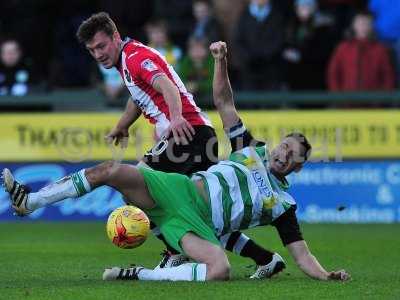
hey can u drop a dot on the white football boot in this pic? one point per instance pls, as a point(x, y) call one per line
point(267, 271)
point(170, 260)
point(117, 273)
point(18, 193)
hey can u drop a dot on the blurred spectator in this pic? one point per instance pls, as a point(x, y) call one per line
point(286, 7)
point(158, 39)
point(387, 25)
point(227, 12)
point(113, 86)
point(343, 12)
point(179, 16)
point(31, 23)
point(258, 43)
point(196, 68)
point(360, 63)
point(131, 16)
point(73, 66)
point(310, 42)
point(15, 74)
point(205, 26)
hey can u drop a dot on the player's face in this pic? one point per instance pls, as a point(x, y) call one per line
point(287, 157)
point(105, 49)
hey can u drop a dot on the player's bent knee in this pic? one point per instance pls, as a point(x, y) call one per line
point(205, 252)
point(218, 268)
point(223, 271)
point(219, 271)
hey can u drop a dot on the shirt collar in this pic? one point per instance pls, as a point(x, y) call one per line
point(124, 42)
point(282, 183)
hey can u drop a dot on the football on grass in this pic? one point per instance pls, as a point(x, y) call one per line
point(128, 227)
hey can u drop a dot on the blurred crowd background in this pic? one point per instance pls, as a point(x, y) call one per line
point(275, 45)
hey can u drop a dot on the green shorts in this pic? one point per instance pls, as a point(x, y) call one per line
point(179, 207)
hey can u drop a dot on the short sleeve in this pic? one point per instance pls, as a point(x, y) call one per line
point(144, 67)
point(288, 227)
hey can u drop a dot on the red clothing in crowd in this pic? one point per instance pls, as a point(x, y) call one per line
point(360, 65)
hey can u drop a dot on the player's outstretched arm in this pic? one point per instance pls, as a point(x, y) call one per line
point(222, 90)
point(131, 114)
point(310, 265)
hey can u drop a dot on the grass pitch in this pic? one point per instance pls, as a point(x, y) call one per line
point(66, 260)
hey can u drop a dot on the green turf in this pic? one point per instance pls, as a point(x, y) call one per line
point(65, 261)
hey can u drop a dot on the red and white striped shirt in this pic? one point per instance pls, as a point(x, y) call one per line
point(139, 66)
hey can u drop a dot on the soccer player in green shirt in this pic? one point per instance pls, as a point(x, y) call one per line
point(249, 189)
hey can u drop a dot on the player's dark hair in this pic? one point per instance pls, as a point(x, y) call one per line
point(97, 22)
point(303, 141)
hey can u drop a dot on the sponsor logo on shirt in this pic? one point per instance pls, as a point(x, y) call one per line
point(261, 184)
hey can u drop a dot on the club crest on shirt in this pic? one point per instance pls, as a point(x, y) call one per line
point(127, 75)
point(269, 202)
point(148, 65)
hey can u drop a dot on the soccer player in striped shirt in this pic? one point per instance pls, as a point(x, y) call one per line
point(249, 189)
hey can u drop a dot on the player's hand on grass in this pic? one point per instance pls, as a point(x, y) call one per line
point(218, 50)
point(117, 135)
point(340, 275)
point(181, 129)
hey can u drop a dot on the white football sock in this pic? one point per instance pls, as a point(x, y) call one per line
point(185, 272)
point(72, 186)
